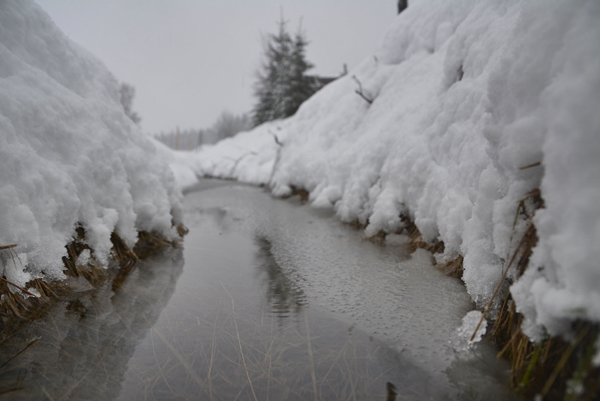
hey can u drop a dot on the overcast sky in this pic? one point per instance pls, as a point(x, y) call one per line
point(191, 59)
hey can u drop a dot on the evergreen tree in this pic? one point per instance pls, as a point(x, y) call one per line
point(282, 84)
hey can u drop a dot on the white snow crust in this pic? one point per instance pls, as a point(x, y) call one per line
point(68, 154)
point(464, 94)
point(471, 328)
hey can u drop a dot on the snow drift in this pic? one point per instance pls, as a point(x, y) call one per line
point(466, 108)
point(69, 156)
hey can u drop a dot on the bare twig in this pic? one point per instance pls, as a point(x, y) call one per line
point(19, 353)
point(17, 286)
point(504, 273)
point(530, 165)
point(240, 342)
point(561, 363)
point(312, 362)
point(277, 141)
point(239, 159)
point(359, 91)
point(188, 367)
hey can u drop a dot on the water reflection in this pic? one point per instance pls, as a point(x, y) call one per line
point(219, 340)
point(80, 348)
point(222, 335)
point(282, 295)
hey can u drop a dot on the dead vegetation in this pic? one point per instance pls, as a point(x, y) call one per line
point(302, 193)
point(555, 369)
point(253, 355)
point(21, 305)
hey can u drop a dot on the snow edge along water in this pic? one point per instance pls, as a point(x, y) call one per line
point(81, 187)
point(482, 135)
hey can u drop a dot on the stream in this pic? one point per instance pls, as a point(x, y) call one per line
point(267, 300)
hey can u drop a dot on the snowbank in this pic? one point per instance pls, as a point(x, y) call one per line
point(181, 163)
point(464, 95)
point(249, 156)
point(68, 154)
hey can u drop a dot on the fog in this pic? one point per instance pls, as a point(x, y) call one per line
point(191, 60)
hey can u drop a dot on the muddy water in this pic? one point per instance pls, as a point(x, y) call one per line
point(269, 300)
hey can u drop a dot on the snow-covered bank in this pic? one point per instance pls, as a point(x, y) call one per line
point(69, 156)
point(464, 96)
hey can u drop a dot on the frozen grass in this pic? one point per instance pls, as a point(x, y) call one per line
point(556, 368)
point(215, 349)
point(20, 305)
point(227, 354)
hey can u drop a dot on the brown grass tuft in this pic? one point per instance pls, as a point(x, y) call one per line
point(378, 239)
point(149, 244)
point(122, 254)
point(555, 369)
point(182, 230)
point(454, 268)
point(125, 258)
point(19, 305)
point(416, 238)
point(302, 193)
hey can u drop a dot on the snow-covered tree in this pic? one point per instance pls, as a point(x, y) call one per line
point(282, 84)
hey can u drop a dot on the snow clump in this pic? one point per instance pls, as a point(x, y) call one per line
point(470, 323)
point(69, 156)
point(474, 105)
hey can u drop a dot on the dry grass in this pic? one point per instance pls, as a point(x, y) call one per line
point(377, 239)
point(302, 193)
point(416, 238)
point(19, 305)
point(554, 369)
point(252, 356)
point(453, 268)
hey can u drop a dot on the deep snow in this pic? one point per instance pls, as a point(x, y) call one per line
point(69, 156)
point(465, 94)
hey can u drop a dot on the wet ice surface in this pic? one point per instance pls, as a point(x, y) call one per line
point(275, 301)
point(398, 298)
point(79, 348)
point(239, 328)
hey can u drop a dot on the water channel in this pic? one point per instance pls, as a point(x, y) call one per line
point(268, 300)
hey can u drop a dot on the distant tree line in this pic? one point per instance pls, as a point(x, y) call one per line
point(227, 125)
point(282, 86)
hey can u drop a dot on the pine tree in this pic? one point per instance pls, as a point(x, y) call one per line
point(282, 84)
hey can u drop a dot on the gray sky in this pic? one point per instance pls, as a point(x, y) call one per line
point(191, 59)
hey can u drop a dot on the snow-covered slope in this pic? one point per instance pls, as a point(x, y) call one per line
point(464, 96)
point(68, 154)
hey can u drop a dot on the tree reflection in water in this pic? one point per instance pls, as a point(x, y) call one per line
point(282, 294)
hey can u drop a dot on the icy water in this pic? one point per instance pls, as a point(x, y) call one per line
point(275, 301)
